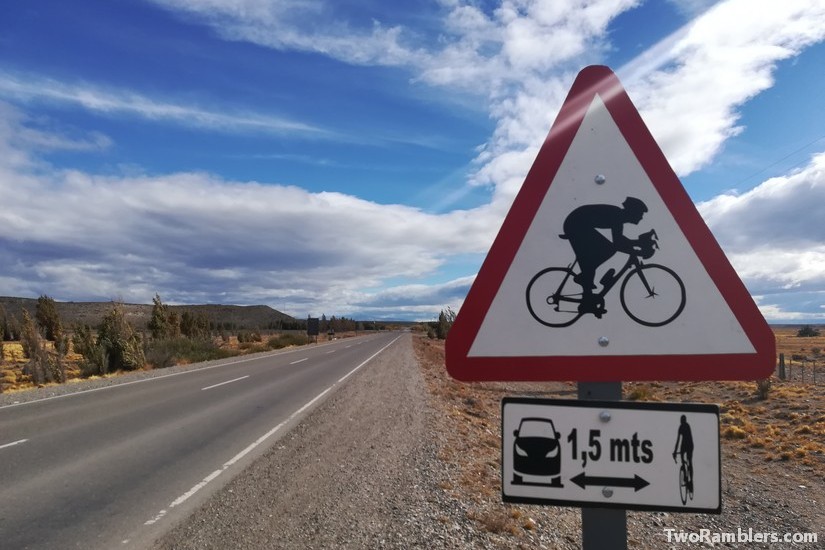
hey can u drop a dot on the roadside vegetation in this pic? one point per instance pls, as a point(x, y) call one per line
point(440, 328)
point(39, 350)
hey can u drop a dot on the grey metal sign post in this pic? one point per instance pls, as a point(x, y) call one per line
point(603, 528)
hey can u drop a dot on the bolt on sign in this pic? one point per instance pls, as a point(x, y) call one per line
point(603, 269)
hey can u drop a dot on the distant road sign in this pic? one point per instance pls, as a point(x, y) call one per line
point(611, 454)
point(603, 269)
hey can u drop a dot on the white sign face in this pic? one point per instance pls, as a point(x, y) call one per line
point(683, 311)
point(611, 454)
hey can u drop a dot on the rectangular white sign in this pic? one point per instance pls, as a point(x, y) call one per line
point(611, 454)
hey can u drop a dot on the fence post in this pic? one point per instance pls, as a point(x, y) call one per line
point(781, 366)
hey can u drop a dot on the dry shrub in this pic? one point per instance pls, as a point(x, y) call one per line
point(763, 387)
point(495, 521)
point(734, 432)
point(640, 393)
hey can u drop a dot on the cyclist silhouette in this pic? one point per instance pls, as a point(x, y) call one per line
point(685, 436)
point(592, 249)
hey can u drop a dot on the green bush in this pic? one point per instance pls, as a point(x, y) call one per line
point(122, 344)
point(95, 361)
point(440, 328)
point(117, 346)
point(168, 352)
point(42, 366)
point(808, 332)
point(47, 318)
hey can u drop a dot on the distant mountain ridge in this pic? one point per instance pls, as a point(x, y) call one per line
point(138, 315)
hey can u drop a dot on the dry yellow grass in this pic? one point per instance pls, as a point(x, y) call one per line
point(13, 353)
point(789, 343)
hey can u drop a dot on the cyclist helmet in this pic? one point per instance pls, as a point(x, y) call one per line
point(632, 204)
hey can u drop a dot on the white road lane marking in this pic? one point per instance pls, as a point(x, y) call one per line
point(13, 443)
point(299, 361)
point(211, 477)
point(224, 383)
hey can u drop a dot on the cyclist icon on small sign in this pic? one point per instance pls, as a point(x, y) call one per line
point(685, 452)
point(651, 294)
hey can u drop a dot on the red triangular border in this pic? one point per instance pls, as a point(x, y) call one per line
point(602, 81)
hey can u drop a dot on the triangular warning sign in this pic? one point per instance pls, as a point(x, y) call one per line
point(603, 269)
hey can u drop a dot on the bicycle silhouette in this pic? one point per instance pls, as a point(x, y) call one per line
point(685, 480)
point(651, 294)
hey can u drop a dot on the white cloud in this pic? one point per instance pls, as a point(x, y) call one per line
point(419, 301)
point(36, 135)
point(308, 26)
point(778, 314)
point(692, 8)
point(786, 211)
point(713, 66)
point(27, 88)
point(774, 237)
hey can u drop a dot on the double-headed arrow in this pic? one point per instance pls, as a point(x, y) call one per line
point(636, 482)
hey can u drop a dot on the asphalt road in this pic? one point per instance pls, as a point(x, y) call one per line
point(114, 468)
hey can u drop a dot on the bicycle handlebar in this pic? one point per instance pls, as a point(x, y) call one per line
point(648, 243)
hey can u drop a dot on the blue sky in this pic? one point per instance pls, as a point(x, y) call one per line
point(357, 157)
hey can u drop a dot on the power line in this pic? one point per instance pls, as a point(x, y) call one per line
point(789, 155)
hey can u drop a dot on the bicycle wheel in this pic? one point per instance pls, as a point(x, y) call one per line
point(553, 297)
point(653, 295)
point(683, 485)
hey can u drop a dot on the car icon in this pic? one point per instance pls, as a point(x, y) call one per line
point(537, 453)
